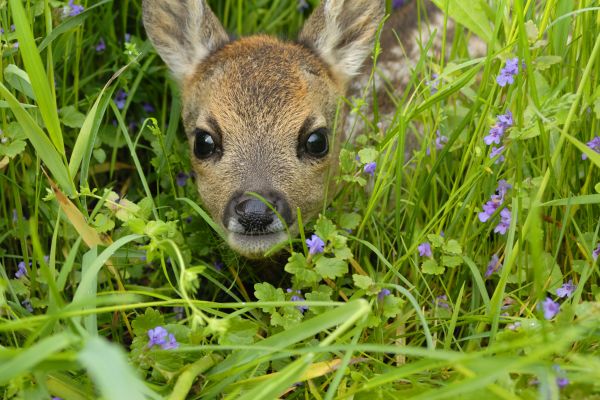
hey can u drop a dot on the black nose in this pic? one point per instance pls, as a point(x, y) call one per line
point(256, 216)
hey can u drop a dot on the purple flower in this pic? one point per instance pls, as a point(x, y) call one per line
point(507, 73)
point(157, 336)
point(513, 327)
point(442, 301)
point(315, 245)
point(503, 188)
point(497, 151)
point(505, 120)
point(495, 135)
point(561, 381)
point(21, 271)
point(551, 308)
point(566, 290)
point(15, 45)
point(505, 217)
point(148, 108)
point(1, 31)
point(489, 209)
point(127, 37)
point(370, 168)
point(434, 83)
point(302, 6)
point(593, 144)
point(596, 252)
point(12, 27)
point(440, 140)
point(170, 343)
point(425, 250)
point(493, 266)
point(120, 99)
point(398, 3)
point(182, 178)
point(383, 294)
point(15, 216)
point(74, 9)
point(298, 297)
point(218, 265)
point(101, 46)
point(27, 304)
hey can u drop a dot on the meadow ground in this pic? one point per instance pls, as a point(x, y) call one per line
point(465, 266)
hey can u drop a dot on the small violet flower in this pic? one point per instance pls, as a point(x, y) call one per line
point(493, 266)
point(127, 37)
point(370, 168)
point(425, 250)
point(170, 343)
point(550, 307)
point(596, 252)
point(120, 99)
point(383, 294)
point(27, 304)
point(503, 122)
point(561, 381)
point(101, 46)
point(593, 144)
point(398, 3)
point(302, 6)
point(74, 9)
point(497, 152)
point(160, 337)
point(297, 296)
point(182, 178)
point(566, 290)
point(511, 68)
point(442, 301)
point(434, 83)
point(148, 108)
point(315, 245)
point(505, 217)
point(157, 336)
point(21, 271)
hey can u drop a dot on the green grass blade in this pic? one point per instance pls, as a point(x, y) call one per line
point(42, 145)
point(37, 74)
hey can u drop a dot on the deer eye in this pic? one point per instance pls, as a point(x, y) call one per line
point(204, 144)
point(316, 144)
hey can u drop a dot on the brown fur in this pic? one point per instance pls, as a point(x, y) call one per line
point(258, 96)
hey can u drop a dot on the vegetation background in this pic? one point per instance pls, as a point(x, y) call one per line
point(445, 272)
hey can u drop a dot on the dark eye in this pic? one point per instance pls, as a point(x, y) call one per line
point(317, 144)
point(204, 144)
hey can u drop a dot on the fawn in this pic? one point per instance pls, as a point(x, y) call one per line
point(259, 112)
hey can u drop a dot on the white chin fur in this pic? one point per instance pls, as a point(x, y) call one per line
point(255, 246)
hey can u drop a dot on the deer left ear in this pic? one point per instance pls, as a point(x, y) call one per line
point(342, 32)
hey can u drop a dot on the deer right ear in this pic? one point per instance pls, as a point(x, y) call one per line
point(184, 32)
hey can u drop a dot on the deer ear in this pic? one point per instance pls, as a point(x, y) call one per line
point(184, 32)
point(343, 32)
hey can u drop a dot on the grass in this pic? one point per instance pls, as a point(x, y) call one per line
point(382, 320)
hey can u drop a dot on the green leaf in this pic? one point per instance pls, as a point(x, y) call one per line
point(392, 306)
point(331, 267)
point(368, 155)
point(350, 220)
point(13, 148)
point(470, 14)
point(436, 241)
point(114, 378)
point(532, 31)
point(42, 145)
point(452, 247)
point(452, 261)
point(267, 292)
point(71, 117)
point(347, 161)
point(431, 267)
point(362, 282)
point(26, 360)
point(298, 267)
point(103, 224)
point(239, 331)
point(324, 228)
point(149, 320)
point(544, 62)
point(19, 80)
point(323, 293)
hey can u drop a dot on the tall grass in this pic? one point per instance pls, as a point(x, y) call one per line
point(102, 240)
